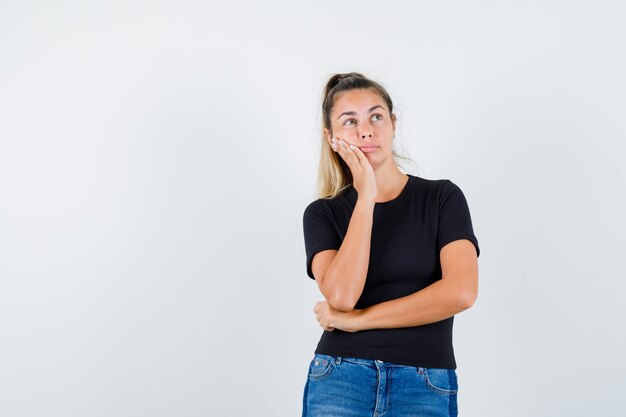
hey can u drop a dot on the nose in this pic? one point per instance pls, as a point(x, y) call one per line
point(366, 132)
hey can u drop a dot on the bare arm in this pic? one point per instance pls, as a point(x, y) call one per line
point(454, 293)
point(341, 274)
point(343, 279)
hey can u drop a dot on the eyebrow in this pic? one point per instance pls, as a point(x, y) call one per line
point(352, 113)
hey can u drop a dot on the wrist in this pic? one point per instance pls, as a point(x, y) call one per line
point(359, 320)
point(366, 202)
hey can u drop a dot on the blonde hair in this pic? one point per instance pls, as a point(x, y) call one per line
point(334, 175)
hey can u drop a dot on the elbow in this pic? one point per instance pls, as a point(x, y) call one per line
point(467, 299)
point(341, 303)
point(341, 299)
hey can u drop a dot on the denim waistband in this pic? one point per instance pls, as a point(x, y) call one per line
point(374, 363)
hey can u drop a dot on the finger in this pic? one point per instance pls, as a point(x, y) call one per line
point(335, 144)
point(353, 150)
point(344, 144)
point(348, 155)
point(335, 140)
point(359, 154)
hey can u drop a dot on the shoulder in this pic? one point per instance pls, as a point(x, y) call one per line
point(438, 185)
point(316, 207)
point(434, 187)
point(438, 193)
point(339, 204)
point(321, 208)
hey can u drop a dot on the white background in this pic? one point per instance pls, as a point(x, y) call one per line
point(156, 158)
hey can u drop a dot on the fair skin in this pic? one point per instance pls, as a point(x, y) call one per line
point(360, 118)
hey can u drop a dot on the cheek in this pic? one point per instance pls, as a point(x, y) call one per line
point(345, 132)
point(382, 131)
point(385, 125)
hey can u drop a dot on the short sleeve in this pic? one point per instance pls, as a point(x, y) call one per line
point(319, 233)
point(455, 221)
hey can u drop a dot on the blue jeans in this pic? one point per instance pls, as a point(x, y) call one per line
point(354, 387)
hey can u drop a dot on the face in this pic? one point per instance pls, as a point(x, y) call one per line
point(361, 117)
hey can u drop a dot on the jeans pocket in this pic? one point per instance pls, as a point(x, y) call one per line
point(441, 380)
point(321, 367)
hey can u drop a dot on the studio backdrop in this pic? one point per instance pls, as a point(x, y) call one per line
point(156, 159)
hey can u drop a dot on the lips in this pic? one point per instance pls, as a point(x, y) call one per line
point(368, 148)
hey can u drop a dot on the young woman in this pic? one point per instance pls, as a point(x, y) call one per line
point(395, 257)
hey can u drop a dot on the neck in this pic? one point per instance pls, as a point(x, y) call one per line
point(389, 183)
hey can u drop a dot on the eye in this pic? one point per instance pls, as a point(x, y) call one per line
point(349, 120)
point(378, 115)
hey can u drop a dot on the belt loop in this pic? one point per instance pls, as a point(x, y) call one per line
point(338, 360)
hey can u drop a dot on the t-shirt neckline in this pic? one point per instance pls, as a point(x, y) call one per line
point(393, 202)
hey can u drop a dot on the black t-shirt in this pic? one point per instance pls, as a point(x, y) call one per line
point(407, 234)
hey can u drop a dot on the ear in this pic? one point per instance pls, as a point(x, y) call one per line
point(393, 122)
point(328, 136)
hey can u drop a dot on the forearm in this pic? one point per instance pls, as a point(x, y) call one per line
point(437, 302)
point(345, 278)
